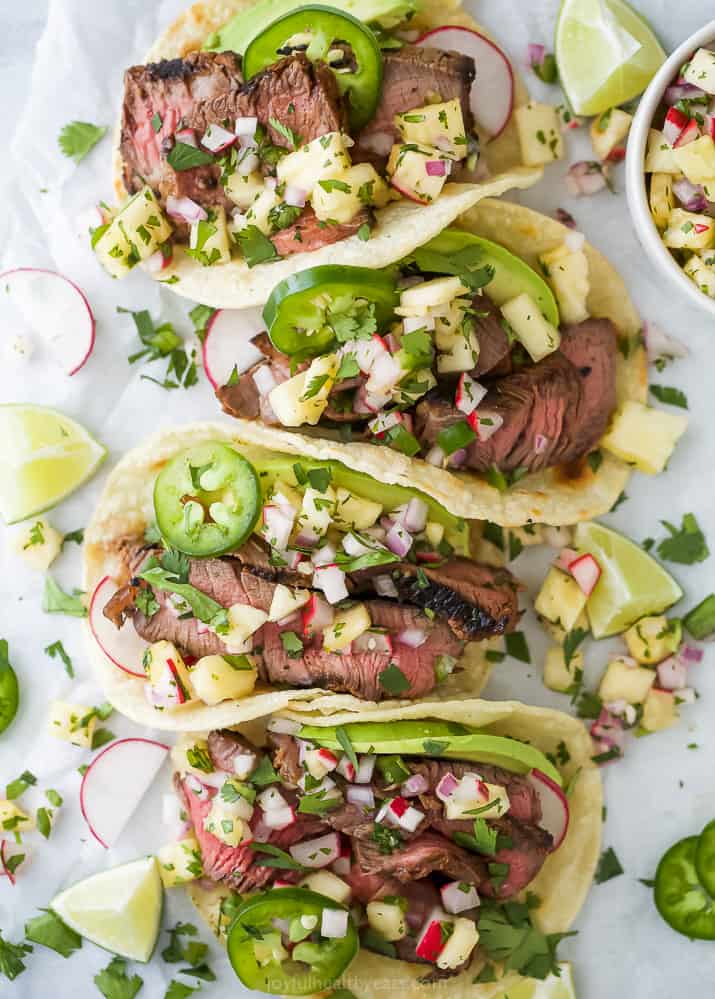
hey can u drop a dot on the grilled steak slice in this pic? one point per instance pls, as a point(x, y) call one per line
point(309, 233)
point(494, 347)
point(286, 758)
point(591, 347)
point(226, 746)
point(525, 856)
point(420, 857)
point(412, 77)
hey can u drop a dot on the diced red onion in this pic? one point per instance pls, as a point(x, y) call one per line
point(244, 764)
point(331, 580)
point(585, 178)
point(458, 458)
point(608, 731)
point(437, 168)
point(435, 456)
point(446, 787)
point(246, 126)
point(295, 196)
point(315, 853)
point(412, 637)
point(334, 923)
point(690, 654)
point(691, 196)
point(398, 540)
point(683, 92)
point(536, 54)
point(185, 209)
point(672, 673)
point(385, 587)
point(458, 897)
point(541, 443)
point(216, 138)
point(361, 794)
point(415, 784)
point(565, 218)
point(248, 163)
point(325, 555)
point(414, 517)
point(366, 768)
point(661, 344)
point(283, 726)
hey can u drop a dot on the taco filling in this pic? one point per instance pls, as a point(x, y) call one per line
point(288, 142)
point(410, 853)
point(461, 356)
point(301, 574)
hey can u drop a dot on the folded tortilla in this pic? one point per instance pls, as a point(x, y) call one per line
point(564, 880)
point(126, 509)
point(400, 227)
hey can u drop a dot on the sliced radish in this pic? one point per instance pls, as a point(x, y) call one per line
point(320, 852)
point(366, 766)
point(122, 646)
point(492, 94)
point(554, 806)
point(54, 309)
point(115, 783)
point(430, 942)
point(690, 133)
point(229, 343)
point(586, 571)
point(567, 557)
point(457, 896)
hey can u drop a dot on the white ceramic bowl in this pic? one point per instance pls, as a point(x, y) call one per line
point(646, 230)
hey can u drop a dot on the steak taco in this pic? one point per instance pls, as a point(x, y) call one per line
point(431, 847)
point(231, 578)
point(260, 139)
point(485, 368)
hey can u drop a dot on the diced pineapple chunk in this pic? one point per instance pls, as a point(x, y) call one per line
point(320, 159)
point(180, 862)
point(489, 553)
point(73, 723)
point(134, 234)
point(560, 599)
point(659, 711)
point(408, 168)
point(625, 682)
point(558, 633)
point(243, 622)
point(243, 189)
point(216, 678)
point(700, 71)
point(209, 239)
point(567, 273)
point(653, 639)
point(303, 398)
point(697, 160)
point(608, 130)
point(38, 543)
point(644, 437)
point(539, 133)
point(536, 334)
point(689, 231)
point(700, 268)
point(558, 674)
point(222, 822)
point(463, 940)
point(354, 511)
point(190, 755)
point(439, 125)
point(13, 819)
point(659, 154)
point(371, 188)
point(415, 301)
point(336, 198)
point(286, 602)
point(662, 199)
point(462, 354)
point(434, 532)
point(167, 672)
point(387, 919)
point(260, 209)
point(328, 884)
point(346, 627)
point(316, 514)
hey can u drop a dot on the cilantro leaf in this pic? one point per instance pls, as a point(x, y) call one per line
point(114, 983)
point(466, 264)
point(203, 607)
point(669, 395)
point(508, 935)
point(175, 950)
point(393, 680)
point(255, 246)
point(185, 157)
point(517, 646)
point(686, 545)
point(264, 773)
point(288, 134)
point(571, 642)
point(176, 562)
point(48, 930)
point(79, 138)
point(12, 958)
point(292, 644)
point(76, 536)
point(200, 316)
point(351, 318)
point(609, 866)
point(178, 990)
point(58, 649)
point(275, 857)
point(56, 601)
point(18, 787)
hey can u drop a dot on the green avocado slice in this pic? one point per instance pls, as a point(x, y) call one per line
point(512, 276)
point(441, 739)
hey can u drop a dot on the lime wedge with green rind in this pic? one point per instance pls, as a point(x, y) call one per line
point(119, 909)
point(44, 456)
point(606, 54)
point(632, 583)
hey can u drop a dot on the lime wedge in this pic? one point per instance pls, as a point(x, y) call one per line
point(118, 909)
point(606, 53)
point(44, 456)
point(554, 987)
point(632, 584)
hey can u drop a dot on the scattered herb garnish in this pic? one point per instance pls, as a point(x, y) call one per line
point(685, 545)
point(79, 138)
point(58, 649)
point(114, 983)
point(609, 866)
point(48, 930)
point(56, 601)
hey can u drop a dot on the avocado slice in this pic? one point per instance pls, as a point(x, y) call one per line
point(446, 740)
point(281, 466)
point(236, 34)
point(512, 276)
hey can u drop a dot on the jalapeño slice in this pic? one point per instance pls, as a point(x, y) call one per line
point(261, 962)
point(207, 500)
point(680, 898)
point(298, 312)
point(358, 72)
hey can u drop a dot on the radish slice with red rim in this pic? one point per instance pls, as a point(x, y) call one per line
point(115, 783)
point(228, 343)
point(122, 646)
point(554, 806)
point(492, 94)
point(54, 310)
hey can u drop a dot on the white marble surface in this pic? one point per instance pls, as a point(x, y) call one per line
point(660, 792)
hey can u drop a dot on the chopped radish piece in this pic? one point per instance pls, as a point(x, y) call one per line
point(187, 136)
point(342, 865)
point(586, 571)
point(122, 646)
point(315, 853)
point(361, 795)
point(320, 762)
point(458, 896)
point(271, 800)
point(295, 196)
point(566, 559)
point(431, 942)
point(228, 343)
point(216, 138)
point(54, 309)
point(279, 818)
point(672, 673)
point(114, 784)
point(346, 769)
point(492, 94)
point(264, 379)
point(586, 177)
point(675, 122)
point(398, 540)
point(331, 580)
point(554, 806)
point(246, 127)
point(469, 394)
point(317, 616)
point(399, 812)
point(484, 424)
point(690, 133)
point(366, 768)
point(334, 923)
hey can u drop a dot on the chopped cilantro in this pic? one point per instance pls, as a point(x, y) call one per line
point(56, 601)
point(517, 646)
point(79, 138)
point(686, 545)
point(58, 649)
point(48, 930)
point(609, 866)
point(393, 680)
point(185, 157)
point(669, 395)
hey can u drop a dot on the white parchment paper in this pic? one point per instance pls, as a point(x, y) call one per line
point(662, 790)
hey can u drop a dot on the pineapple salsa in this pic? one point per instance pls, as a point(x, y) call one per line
point(680, 162)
